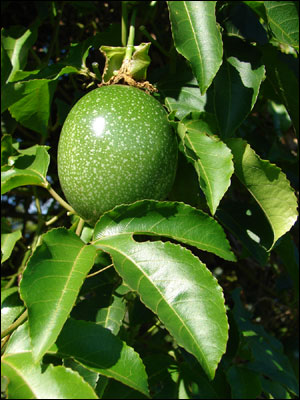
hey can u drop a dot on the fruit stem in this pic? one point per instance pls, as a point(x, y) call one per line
point(124, 23)
point(61, 201)
point(130, 43)
point(79, 227)
point(14, 325)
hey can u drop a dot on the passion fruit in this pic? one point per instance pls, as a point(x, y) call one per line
point(116, 146)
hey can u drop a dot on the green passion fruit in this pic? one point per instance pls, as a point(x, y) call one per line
point(116, 146)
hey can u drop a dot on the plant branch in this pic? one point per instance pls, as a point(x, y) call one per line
point(130, 43)
point(79, 227)
point(14, 325)
point(124, 23)
point(61, 201)
point(100, 270)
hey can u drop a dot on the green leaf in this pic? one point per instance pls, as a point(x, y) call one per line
point(29, 102)
point(51, 283)
point(111, 317)
point(175, 220)
point(283, 80)
point(95, 348)
point(268, 185)
point(28, 168)
point(248, 224)
point(8, 241)
point(28, 380)
point(245, 384)
point(175, 285)
point(17, 42)
point(236, 85)
point(197, 37)
point(90, 347)
point(211, 157)
point(283, 18)
point(11, 306)
point(6, 66)
point(181, 91)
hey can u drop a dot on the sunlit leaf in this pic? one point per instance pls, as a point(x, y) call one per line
point(29, 167)
point(268, 185)
point(211, 157)
point(28, 380)
point(175, 220)
point(89, 346)
point(17, 42)
point(11, 306)
point(51, 283)
point(8, 241)
point(283, 18)
point(175, 285)
point(95, 348)
point(197, 37)
point(181, 91)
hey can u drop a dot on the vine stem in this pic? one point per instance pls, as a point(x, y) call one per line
point(130, 43)
point(124, 23)
point(14, 326)
point(57, 197)
point(99, 271)
point(79, 227)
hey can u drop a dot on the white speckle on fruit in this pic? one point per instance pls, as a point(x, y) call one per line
point(98, 125)
point(120, 152)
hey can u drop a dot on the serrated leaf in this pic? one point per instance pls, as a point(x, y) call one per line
point(210, 156)
point(181, 90)
point(90, 347)
point(11, 306)
point(28, 168)
point(29, 102)
point(175, 220)
point(111, 317)
point(236, 85)
point(28, 380)
point(283, 18)
point(8, 241)
point(95, 348)
point(51, 283)
point(197, 37)
point(268, 185)
point(17, 42)
point(175, 285)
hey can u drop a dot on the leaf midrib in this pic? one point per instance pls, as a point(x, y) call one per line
point(174, 311)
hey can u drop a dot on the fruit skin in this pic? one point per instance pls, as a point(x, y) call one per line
point(116, 147)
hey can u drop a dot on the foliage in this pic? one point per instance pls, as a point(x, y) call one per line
point(191, 297)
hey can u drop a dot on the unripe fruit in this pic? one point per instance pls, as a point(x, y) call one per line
point(116, 147)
